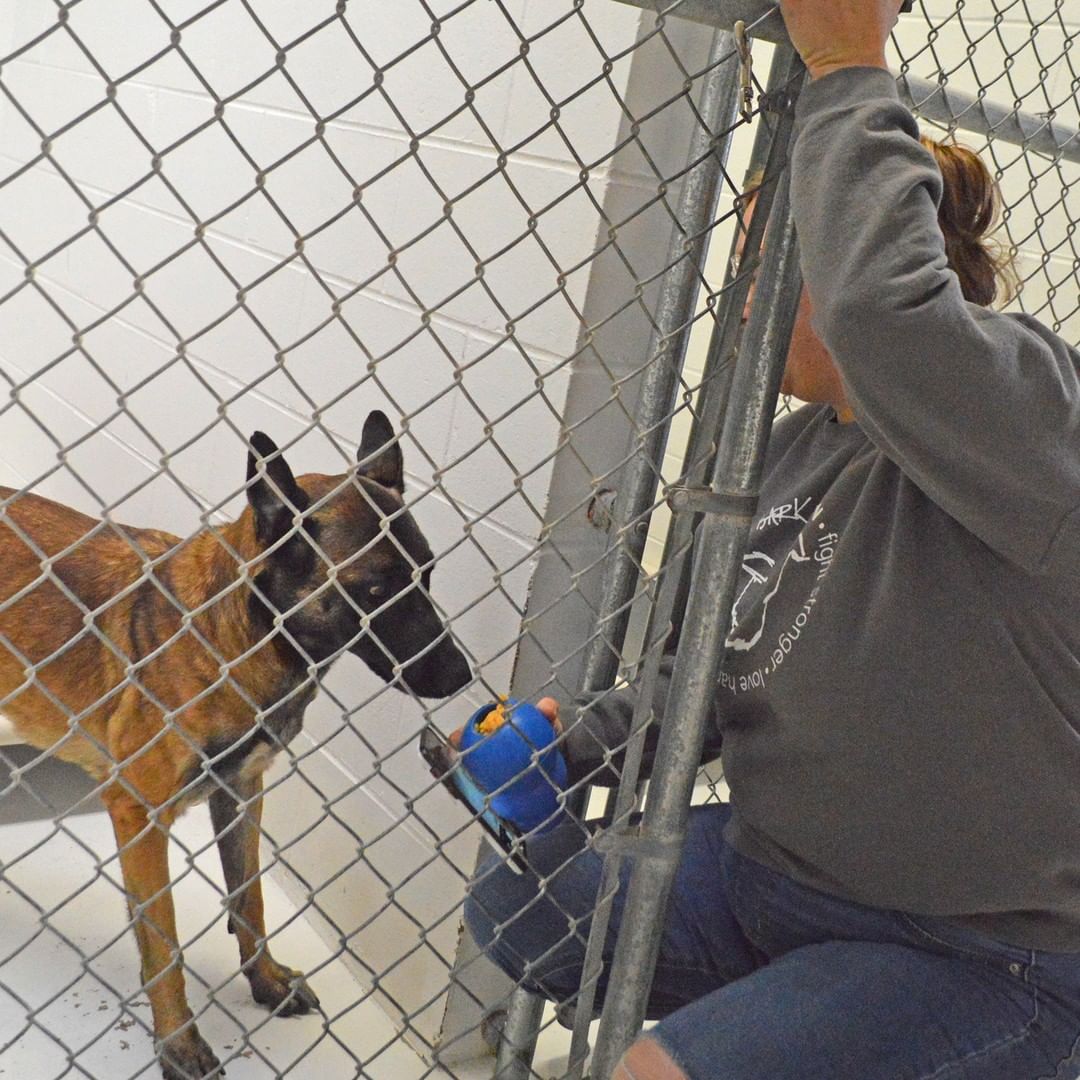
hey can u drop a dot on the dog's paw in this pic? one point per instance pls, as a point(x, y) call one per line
point(284, 991)
point(187, 1056)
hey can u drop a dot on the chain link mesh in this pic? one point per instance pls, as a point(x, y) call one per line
point(217, 217)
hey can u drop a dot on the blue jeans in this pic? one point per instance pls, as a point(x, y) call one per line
point(760, 978)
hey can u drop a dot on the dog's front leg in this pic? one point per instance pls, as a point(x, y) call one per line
point(236, 823)
point(143, 846)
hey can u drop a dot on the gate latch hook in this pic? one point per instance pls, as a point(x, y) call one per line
point(746, 71)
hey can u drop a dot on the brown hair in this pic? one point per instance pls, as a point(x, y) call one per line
point(968, 215)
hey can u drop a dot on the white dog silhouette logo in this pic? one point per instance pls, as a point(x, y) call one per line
point(760, 567)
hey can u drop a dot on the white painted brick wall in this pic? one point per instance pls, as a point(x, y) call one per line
point(182, 230)
point(411, 318)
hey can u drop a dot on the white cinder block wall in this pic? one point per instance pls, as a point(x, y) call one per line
point(189, 316)
point(262, 241)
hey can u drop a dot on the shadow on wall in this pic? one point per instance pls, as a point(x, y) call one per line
point(44, 787)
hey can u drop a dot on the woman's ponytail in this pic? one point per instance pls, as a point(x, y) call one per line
point(968, 214)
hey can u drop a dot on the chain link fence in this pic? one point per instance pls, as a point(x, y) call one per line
point(506, 225)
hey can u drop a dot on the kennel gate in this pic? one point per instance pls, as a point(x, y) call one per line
point(483, 255)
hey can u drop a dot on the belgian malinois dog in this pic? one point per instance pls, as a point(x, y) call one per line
point(173, 671)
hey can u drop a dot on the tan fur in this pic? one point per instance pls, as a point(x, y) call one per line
point(156, 664)
point(104, 572)
point(81, 701)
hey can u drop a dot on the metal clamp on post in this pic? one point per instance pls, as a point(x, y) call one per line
point(630, 842)
point(730, 504)
point(779, 102)
point(746, 71)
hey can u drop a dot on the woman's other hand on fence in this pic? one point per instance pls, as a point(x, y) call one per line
point(834, 34)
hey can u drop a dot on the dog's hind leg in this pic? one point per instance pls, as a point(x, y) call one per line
point(143, 846)
point(236, 812)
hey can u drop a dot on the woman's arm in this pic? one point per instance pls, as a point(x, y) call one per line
point(980, 409)
point(598, 727)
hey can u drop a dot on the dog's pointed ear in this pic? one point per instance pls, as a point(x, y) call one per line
point(272, 489)
point(380, 453)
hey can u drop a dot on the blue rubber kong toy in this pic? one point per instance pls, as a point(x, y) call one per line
point(498, 744)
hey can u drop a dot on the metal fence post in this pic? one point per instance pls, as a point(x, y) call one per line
point(657, 845)
point(769, 153)
point(709, 147)
point(517, 1040)
point(708, 418)
point(638, 482)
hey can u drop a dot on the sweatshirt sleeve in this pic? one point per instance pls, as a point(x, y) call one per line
point(980, 409)
point(595, 741)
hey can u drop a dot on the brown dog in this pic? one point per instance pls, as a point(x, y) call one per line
point(173, 671)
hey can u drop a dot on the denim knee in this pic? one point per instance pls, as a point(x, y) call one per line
point(506, 916)
point(484, 904)
point(536, 934)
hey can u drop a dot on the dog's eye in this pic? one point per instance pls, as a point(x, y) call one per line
point(377, 590)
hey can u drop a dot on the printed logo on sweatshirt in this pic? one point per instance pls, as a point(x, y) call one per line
point(792, 549)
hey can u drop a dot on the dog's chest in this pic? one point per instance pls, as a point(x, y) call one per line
point(283, 723)
point(234, 763)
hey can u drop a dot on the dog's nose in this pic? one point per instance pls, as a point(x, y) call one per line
point(440, 673)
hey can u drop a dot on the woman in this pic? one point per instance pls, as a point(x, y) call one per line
point(894, 889)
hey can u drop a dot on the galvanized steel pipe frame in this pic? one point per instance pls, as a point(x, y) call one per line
point(718, 107)
point(708, 417)
point(769, 154)
point(1036, 133)
point(517, 1040)
point(657, 843)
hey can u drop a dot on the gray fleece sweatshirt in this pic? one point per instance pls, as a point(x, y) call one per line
point(900, 701)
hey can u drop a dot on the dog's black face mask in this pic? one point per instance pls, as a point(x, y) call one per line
point(390, 582)
point(366, 557)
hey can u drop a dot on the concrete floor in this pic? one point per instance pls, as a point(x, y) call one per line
point(70, 1003)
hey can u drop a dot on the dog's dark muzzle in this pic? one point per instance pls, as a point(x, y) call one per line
point(439, 673)
point(431, 665)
